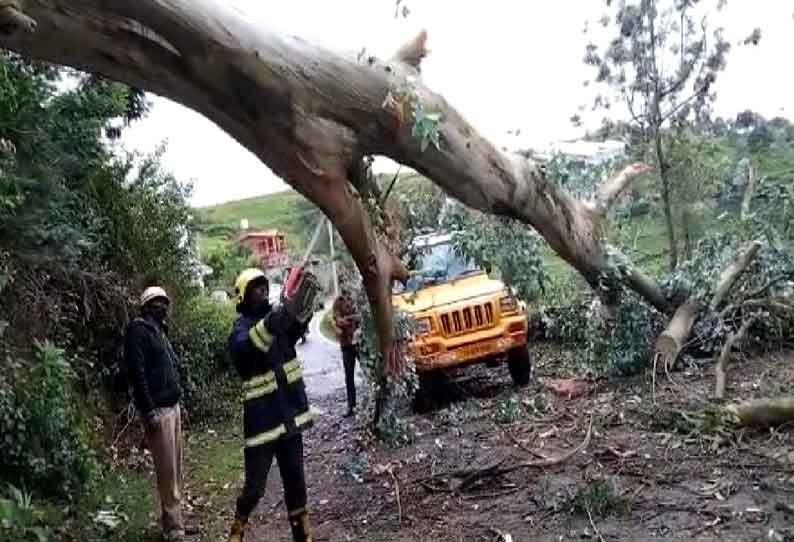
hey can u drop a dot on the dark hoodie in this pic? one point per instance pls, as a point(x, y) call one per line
point(152, 366)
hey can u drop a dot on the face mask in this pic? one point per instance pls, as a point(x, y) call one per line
point(160, 313)
point(261, 309)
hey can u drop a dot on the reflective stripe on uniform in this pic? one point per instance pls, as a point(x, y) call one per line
point(293, 371)
point(260, 380)
point(266, 437)
point(259, 386)
point(303, 419)
point(260, 391)
point(261, 337)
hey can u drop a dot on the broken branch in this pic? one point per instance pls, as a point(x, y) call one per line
point(614, 187)
point(722, 363)
point(732, 272)
point(469, 477)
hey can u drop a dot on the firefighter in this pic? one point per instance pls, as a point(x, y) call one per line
point(152, 367)
point(276, 409)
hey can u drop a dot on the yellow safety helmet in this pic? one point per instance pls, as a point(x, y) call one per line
point(244, 279)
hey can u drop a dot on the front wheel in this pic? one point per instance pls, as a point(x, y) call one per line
point(520, 365)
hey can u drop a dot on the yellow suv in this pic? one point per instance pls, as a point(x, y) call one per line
point(462, 315)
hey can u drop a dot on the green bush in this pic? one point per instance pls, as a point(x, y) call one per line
point(200, 333)
point(44, 444)
point(20, 518)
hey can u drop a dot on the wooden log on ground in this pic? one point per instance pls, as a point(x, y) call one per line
point(763, 412)
point(672, 340)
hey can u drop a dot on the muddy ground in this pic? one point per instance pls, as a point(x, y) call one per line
point(649, 472)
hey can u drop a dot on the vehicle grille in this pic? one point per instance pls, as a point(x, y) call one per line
point(467, 319)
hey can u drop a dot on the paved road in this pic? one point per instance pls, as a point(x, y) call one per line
point(322, 361)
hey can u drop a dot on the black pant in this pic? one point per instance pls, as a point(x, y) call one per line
point(289, 454)
point(349, 355)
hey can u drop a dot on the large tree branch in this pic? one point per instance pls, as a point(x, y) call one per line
point(730, 274)
point(310, 114)
point(610, 190)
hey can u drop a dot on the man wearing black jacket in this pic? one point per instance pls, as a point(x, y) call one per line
point(275, 407)
point(152, 366)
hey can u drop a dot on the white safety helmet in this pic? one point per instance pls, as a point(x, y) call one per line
point(153, 292)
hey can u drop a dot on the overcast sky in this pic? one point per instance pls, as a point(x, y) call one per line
point(505, 64)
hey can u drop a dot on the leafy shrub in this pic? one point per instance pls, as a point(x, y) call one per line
point(226, 262)
point(44, 442)
point(20, 518)
point(200, 333)
point(500, 244)
point(396, 390)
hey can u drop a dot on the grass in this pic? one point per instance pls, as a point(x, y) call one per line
point(287, 211)
point(600, 498)
point(123, 496)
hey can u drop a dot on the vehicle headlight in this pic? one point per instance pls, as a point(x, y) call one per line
point(508, 303)
point(423, 326)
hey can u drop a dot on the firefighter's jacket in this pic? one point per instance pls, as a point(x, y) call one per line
point(274, 395)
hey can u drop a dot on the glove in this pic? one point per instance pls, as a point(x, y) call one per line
point(302, 302)
point(260, 336)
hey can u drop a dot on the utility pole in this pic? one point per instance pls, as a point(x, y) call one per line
point(334, 278)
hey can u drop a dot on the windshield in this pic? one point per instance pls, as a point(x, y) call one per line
point(438, 263)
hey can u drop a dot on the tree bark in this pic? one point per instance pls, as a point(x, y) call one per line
point(749, 190)
point(732, 273)
point(763, 412)
point(664, 177)
point(672, 340)
point(720, 370)
point(311, 115)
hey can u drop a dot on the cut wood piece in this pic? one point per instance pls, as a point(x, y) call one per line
point(672, 340)
point(763, 412)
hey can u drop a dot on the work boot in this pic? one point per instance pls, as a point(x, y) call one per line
point(301, 528)
point(238, 530)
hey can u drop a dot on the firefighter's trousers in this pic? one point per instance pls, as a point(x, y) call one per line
point(288, 452)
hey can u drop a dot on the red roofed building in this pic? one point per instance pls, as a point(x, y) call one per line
point(268, 246)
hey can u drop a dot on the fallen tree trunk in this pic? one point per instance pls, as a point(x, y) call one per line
point(674, 337)
point(672, 340)
point(722, 362)
point(311, 115)
point(763, 412)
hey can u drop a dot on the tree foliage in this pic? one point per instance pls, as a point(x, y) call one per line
point(83, 228)
point(661, 63)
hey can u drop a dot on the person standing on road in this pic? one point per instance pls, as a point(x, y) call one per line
point(346, 320)
point(275, 406)
point(152, 367)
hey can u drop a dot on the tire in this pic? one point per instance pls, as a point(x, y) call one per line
point(426, 396)
point(520, 366)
